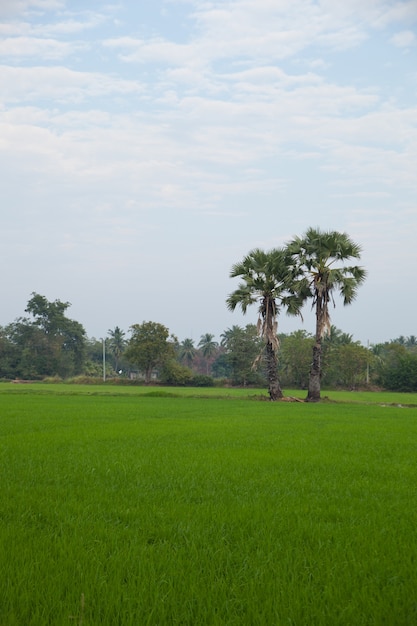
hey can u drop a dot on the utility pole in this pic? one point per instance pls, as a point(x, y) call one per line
point(104, 360)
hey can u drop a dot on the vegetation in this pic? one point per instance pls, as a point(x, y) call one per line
point(267, 280)
point(149, 347)
point(242, 347)
point(137, 509)
point(116, 345)
point(345, 362)
point(208, 347)
point(49, 345)
point(321, 257)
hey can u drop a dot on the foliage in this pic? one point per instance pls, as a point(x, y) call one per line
point(320, 258)
point(187, 351)
point(202, 380)
point(173, 373)
point(116, 344)
point(349, 365)
point(242, 347)
point(268, 281)
point(47, 345)
point(296, 358)
point(208, 347)
point(397, 367)
point(149, 347)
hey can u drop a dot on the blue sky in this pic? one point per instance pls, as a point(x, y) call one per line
point(145, 147)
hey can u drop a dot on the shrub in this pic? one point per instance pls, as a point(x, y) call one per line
point(173, 373)
point(201, 380)
point(52, 379)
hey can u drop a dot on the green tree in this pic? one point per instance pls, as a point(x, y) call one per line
point(187, 352)
point(267, 280)
point(330, 364)
point(397, 368)
point(350, 362)
point(208, 347)
point(116, 345)
point(173, 373)
point(296, 358)
point(321, 257)
point(149, 347)
point(242, 347)
point(49, 344)
point(389, 356)
point(9, 354)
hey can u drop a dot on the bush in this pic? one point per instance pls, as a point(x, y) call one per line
point(52, 379)
point(173, 373)
point(201, 380)
point(402, 377)
point(84, 380)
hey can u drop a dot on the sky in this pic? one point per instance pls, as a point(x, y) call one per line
point(147, 146)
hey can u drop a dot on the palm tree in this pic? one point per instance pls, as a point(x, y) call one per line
point(117, 344)
point(208, 347)
point(229, 334)
point(268, 280)
point(187, 351)
point(320, 256)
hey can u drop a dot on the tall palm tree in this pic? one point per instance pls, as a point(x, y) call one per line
point(187, 351)
point(117, 344)
point(208, 347)
point(321, 257)
point(267, 279)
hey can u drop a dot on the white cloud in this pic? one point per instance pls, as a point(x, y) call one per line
point(404, 39)
point(60, 84)
point(125, 151)
point(32, 47)
point(9, 8)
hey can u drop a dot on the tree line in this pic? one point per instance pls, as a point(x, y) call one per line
point(47, 343)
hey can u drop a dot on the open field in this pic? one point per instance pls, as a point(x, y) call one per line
point(122, 508)
point(361, 397)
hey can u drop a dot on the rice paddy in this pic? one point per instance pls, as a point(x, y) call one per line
point(119, 507)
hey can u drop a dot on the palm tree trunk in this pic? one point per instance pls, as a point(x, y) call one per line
point(322, 327)
point(315, 374)
point(274, 388)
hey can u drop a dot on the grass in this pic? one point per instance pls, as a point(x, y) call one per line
point(131, 509)
point(361, 397)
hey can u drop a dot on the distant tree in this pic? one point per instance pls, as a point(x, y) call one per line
point(242, 347)
point(187, 352)
point(268, 281)
point(296, 358)
point(389, 356)
point(350, 362)
point(320, 256)
point(116, 345)
point(398, 369)
point(329, 359)
point(220, 367)
point(173, 373)
point(412, 342)
point(49, 316)
point(336, 337)
point(149, 347)
point(9, 354)
point(50, 343)
point(208, 347)
point(409, 342)
point(230, 334)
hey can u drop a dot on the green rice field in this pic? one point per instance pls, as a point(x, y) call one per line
point(135, 506)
